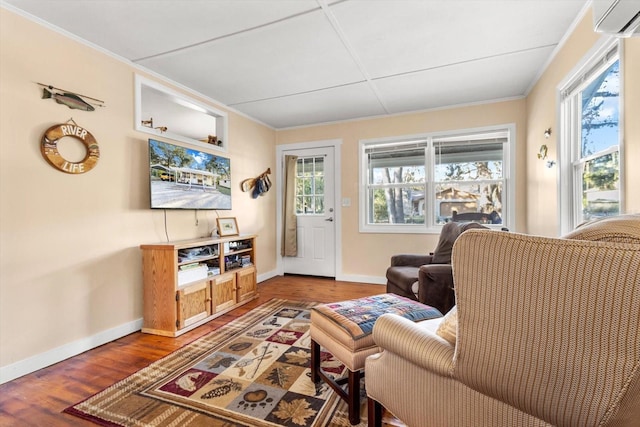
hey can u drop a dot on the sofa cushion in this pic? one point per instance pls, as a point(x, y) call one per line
point(617, 229)
point(448, 328)
point(448, 235)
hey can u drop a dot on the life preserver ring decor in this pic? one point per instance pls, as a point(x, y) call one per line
point(49, 148)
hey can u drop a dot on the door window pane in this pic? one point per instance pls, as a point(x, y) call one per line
point(310, 186)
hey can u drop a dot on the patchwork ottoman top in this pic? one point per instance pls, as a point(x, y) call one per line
point(358, 316)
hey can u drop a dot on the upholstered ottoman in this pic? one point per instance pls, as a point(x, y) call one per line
point(344, 330)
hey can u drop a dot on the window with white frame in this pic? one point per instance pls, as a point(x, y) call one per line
point(419, 183)
point(590, 141)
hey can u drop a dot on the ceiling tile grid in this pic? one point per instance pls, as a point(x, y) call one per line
point(328, 105)
point(413, 35)
point(302, 62)
point(488, 79)
point(294, 56)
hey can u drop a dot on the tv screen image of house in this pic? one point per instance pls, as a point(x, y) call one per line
point(184, 178)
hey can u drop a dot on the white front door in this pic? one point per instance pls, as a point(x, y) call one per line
point(315, 212)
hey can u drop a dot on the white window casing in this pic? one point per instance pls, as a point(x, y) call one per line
point(427, 200)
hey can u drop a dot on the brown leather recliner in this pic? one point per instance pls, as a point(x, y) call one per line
point(402, 275)
point(435, 286)
point(428, 278)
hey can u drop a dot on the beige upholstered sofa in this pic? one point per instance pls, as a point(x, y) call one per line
point(548, 333)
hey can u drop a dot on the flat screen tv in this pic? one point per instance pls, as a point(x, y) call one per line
point(185, 178)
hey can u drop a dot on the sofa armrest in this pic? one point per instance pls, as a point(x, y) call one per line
point(435, 286)
point(408, 340)
point(411, 260)
point(441, 273)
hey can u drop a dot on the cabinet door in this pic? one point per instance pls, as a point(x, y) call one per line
point(194, 303)
point(225, 291)
point(246, 283)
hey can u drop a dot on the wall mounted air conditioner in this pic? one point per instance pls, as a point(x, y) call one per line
point(617, 17)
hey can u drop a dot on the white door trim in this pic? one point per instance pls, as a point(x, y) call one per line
point(337, 195)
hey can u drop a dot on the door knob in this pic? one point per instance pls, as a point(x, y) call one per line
point(329, 219)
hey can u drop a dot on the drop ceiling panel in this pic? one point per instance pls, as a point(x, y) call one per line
point(397, 37)
point(353, 101)
point(295, 56)
point(484, 80)
point(139, 28)
point(301, 62)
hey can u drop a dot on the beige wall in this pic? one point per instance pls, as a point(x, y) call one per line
point(631, 131)
point(70, 264)
point(542, 112)
point(367, 254)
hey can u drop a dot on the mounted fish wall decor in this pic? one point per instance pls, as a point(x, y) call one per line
point(72, 100)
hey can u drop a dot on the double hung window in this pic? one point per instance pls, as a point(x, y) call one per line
point(590, 144)
point(415, 184)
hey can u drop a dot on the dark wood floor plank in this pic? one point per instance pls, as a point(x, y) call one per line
point(38, 399)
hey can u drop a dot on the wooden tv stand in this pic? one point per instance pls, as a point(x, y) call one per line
point(189, 282)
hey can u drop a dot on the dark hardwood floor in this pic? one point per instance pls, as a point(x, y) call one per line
point(38, 399)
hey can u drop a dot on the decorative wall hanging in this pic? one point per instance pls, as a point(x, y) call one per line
point(49, 147)
point(72, 100)
point(212, 139)
point(259, 185)
point(149, 124)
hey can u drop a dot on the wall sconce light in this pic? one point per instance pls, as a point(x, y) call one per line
point(542, 154)
point(547, 133)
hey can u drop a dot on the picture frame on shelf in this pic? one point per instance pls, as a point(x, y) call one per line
point(227, 226)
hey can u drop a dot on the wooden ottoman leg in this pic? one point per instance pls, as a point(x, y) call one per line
point(354, 397)
point(375, 413)
point(315, 361)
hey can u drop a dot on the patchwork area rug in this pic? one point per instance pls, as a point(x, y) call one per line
point(253, 371)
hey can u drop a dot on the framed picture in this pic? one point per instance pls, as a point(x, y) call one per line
point(227, 227)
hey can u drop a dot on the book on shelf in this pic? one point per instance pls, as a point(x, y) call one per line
point(189, 266)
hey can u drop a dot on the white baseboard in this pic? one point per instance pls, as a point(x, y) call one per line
point(39, 361)
point(48, 358)
point(266, 276)
point(377, 280)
